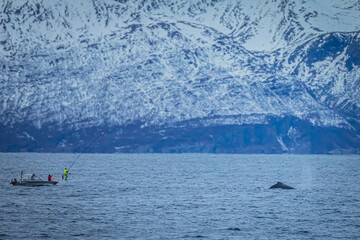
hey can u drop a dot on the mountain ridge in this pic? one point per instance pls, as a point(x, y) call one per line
point(111, 64)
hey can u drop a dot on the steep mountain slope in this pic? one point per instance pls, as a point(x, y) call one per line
point(163, 76)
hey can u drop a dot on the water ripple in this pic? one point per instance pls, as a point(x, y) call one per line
point(183, 196)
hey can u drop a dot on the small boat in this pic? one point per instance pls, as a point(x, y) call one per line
point(31, 180)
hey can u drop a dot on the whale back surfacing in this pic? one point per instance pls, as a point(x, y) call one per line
point(281, 185)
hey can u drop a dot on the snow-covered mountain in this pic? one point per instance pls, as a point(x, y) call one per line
point(172, 76)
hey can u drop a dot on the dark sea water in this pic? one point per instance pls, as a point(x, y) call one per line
point(175, 196)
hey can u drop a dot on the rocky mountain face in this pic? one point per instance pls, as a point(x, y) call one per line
point(180, 76)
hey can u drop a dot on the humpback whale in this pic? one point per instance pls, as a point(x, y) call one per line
point(281, 185)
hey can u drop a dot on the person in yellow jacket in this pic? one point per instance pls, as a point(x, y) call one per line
point(66, 173)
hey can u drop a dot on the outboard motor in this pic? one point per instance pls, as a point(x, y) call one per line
point(13, 181)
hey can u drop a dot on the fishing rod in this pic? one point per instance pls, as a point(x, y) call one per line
point(102, 133)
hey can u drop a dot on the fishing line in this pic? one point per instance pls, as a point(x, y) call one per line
point(102, 133)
